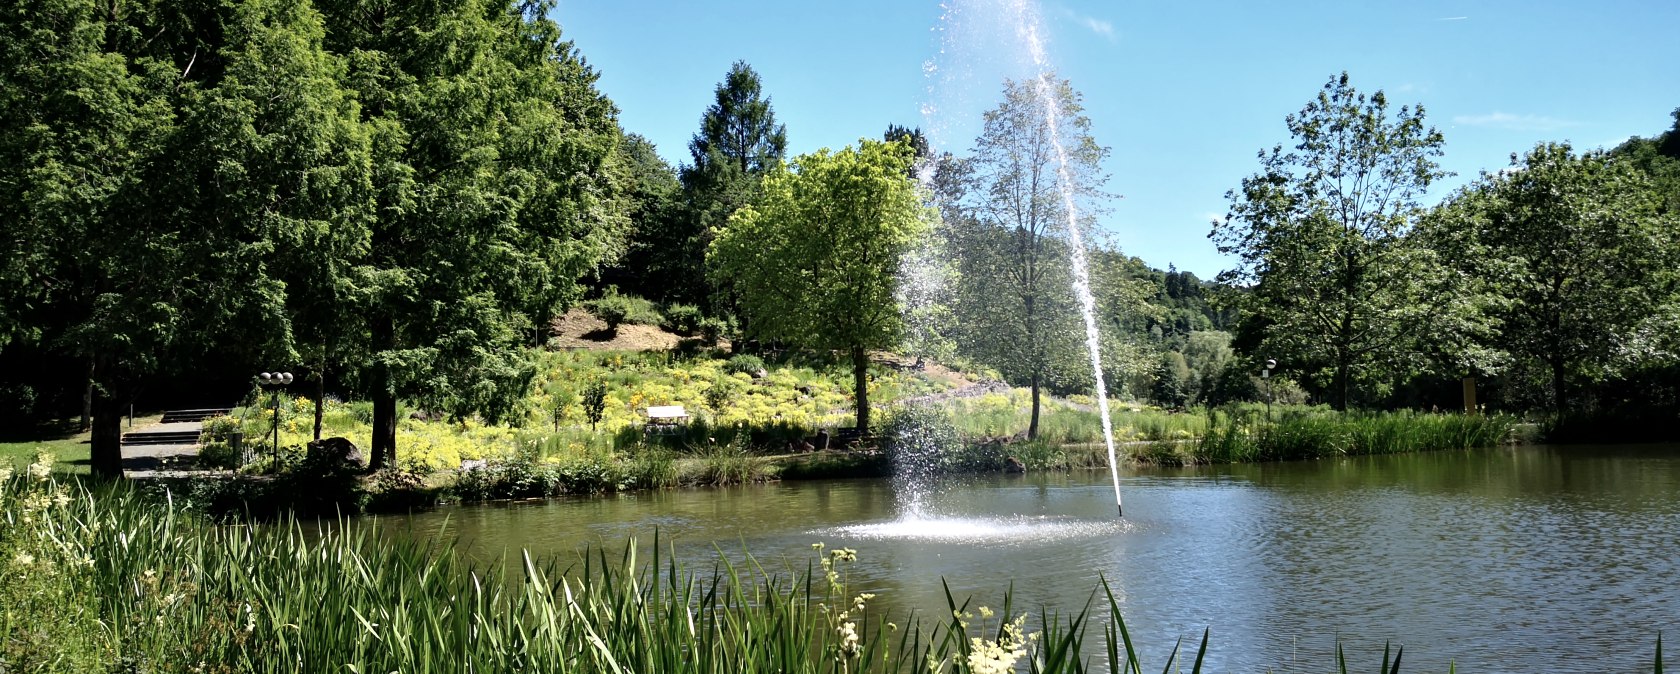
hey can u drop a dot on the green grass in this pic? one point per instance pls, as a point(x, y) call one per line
point(60, 438)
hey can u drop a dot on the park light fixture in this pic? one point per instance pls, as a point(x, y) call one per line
point(275, 380)
point(1271, 363)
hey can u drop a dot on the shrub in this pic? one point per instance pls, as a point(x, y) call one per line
point(616, 309)
point(744, 364)
point(683, 319)
point(713, 329)
point(612, 310)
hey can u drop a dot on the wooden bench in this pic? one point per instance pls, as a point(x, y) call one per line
point(665, 420)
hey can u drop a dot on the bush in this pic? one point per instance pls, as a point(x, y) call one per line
point(616, 310)
point(744, 364)
point(683, 319)
point(611, 310)
point(713, 329)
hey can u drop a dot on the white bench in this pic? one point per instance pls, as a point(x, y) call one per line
point(665, 420)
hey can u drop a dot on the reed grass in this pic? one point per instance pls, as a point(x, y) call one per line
point(101, 580)
point(1244, 436)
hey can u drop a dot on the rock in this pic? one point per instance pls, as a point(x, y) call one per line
point(1013, 465)
point(335, 453)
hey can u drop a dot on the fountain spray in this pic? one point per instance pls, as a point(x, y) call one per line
point(1027, 22)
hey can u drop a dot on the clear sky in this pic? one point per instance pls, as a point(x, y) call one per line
point(1185, 93)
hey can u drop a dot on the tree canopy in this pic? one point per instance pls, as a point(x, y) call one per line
point(816, 262)
point(1321, 233)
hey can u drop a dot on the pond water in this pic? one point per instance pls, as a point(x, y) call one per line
point(1511, 560)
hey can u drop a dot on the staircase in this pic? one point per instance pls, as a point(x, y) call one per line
point(175, 416)
point(167, 436)
point(178, 427)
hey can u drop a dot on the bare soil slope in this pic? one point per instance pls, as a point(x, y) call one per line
point(579, 329)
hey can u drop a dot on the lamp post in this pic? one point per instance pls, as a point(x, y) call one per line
point(1266, 374)
point(275, 380)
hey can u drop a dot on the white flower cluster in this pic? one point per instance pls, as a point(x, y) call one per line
point(999, 657)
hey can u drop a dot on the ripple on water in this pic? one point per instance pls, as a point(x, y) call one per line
point(981, 530)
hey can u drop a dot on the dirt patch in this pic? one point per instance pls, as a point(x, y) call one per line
point(579, 329)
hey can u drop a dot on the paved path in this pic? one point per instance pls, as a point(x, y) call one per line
point(141, 461)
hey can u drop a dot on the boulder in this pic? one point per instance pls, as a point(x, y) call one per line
point(335, 454)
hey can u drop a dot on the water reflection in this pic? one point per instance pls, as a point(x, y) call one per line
point(1508, 560)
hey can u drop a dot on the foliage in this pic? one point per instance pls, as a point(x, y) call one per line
point(594, 402)
point(683, 319)
point(815, 263)
point(745, 363)
point(1578, 260)
point(738, 143)
point(1008, 212)
point(1336, 284)
point(615, 309)
point(1243, 434)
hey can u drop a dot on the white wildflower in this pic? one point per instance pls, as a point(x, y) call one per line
point(849, 646)
point(23, 559)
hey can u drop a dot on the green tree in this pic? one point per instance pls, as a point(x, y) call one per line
point(656, 221)
point(816, 262)
point(1577, 254)
point(739, 141)
point(169, 153)
point(1321, 235)
point(498, 189)
point(1016, 305)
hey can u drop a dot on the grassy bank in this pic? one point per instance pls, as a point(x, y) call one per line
point(101, 580)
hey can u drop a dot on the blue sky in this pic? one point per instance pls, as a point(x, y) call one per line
point(1185, 93)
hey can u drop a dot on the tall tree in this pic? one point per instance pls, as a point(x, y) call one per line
point(817, 260)
point(1321, 236)
point(656, 210)
point(1018, 310)
point(739, 141)
point(1578, 253)
point(143, 139)
point(494, 161)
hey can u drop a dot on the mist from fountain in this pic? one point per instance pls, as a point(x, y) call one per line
point(924, 278)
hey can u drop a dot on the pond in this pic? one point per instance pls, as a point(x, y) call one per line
point(1509, 560)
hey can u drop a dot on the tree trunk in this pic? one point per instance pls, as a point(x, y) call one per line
point(1559, 401)
point(384, 430)
point(384, 450)
point(87, 397)
point(1032, 427)
point(105, 448)
point(860, 383)
point(1341, 384)
point(320, 395)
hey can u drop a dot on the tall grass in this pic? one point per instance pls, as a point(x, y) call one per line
point(1242, 435)
point(100, 580)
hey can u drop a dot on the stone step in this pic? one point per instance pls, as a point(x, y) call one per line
point(160, 438)
point(173, 416)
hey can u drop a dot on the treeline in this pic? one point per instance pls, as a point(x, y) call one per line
point(392, 196)
point(1552, 282)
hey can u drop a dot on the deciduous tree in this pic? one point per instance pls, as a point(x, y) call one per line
point(1321, 235)
point(816, 261)
point(1578, 254)
point(1017, 306)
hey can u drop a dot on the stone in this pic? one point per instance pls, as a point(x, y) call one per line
point(1013, 465)
point(337, 453)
